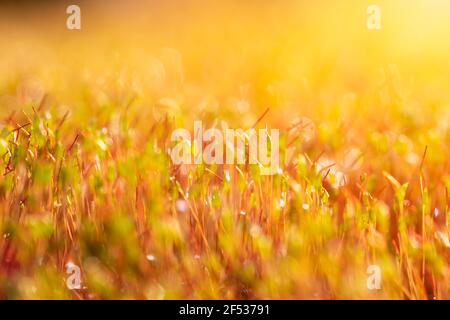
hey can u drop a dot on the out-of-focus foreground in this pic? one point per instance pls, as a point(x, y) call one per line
point(86, 177)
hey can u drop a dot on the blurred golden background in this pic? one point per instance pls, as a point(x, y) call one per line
point(87, 178)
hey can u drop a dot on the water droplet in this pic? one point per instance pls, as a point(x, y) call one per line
point(181, 205)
